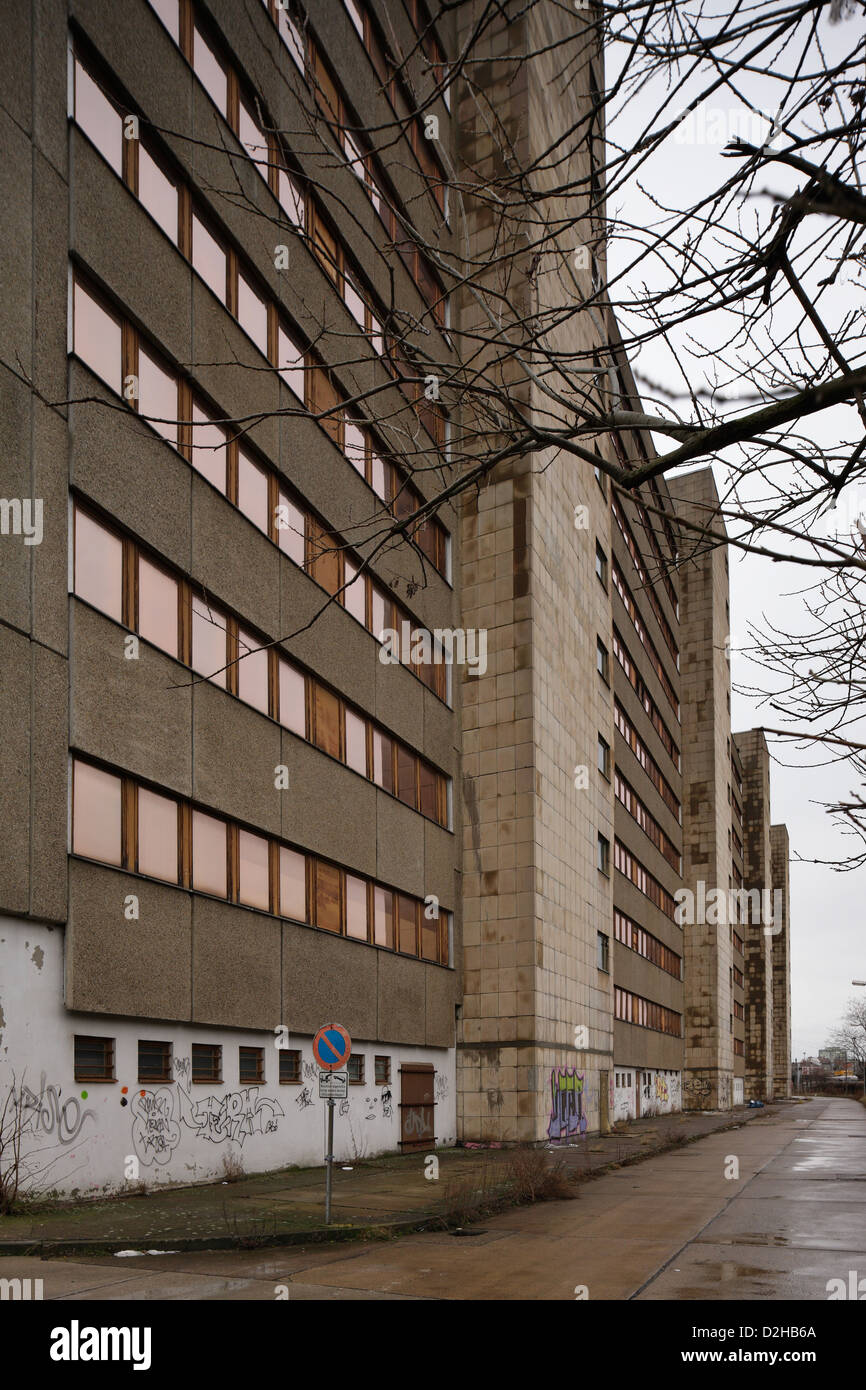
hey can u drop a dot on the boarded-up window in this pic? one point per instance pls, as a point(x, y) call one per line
point(328, 730)
point(328, 913)
point(408, 924)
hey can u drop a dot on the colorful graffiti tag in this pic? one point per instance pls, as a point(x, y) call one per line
point(567, 1118)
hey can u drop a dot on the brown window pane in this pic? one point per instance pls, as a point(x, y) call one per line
point(354, 591)
point(252, 672)
point(406, 764)
point(253, 888)
point(208, 448)
point(293, 885)
point(383, 917)
point(253, 491)
point(408, 913)
point(293, 712)
point(168, 13)
point(96, 814)
point(251, 1066)
point(97, 338)
point(383, 763)
point(98, 566)
point(210, 71)
point(157, 606)
point(325, 558)
point(328, 896)
point(356, 907)
point(157, 193)
point(209, 854)
point(291, 530)
point(209, 642)
point(157, 835)
point(427, 782)
point(157, 397)
point(209, 258)
point(356, 743)
point(98, 118)
point(429, 936)
point(324, 398)
point(253, 314)
point(325, 248)
point(93, 1058)
point(328, 721)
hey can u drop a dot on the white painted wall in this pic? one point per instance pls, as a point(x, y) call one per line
point(660, 1092)
point(738, 1090)
point(98, 1137)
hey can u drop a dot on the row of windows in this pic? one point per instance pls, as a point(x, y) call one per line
point(118, 578)
point(646, 759)
point(645, 944)
point(643, 574)
point(737, 941)
point(631, 1008)
point(643, 880)
point(639, 686)
point(94, 1060)
point(735, 805)
point(109, 345)
point(645, 639)
point(169, 201)
point(623, 1078)
point(738, 844)
point(649, 529)
point(628, 798)
point(119, 822)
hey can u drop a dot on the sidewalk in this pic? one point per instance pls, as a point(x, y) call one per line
point(378, 1197)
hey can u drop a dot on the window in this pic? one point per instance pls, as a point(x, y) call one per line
point(253, 139)
point(293, 713)
point(604, 757)
point(290, 363)
point(94, 1058)
point(210, 71)
point(291, 199)
point(328, 909)
point(382, 1070)
point(209, 258)
point(429, 935)
point(209, 854)
point(253, 491)
point(98, 566)
point(602, 661)
point(290, 1066)
point(251, 1066)
point(253, 315)
point(97, 338)
point(207, 1062)
point(254, 875)
point(328, 722)
point(603, 860)
point(406, 779)
point(355, 591)
point(98, 118)
point(157, 397)
point(356, 743)
point(383, 761)
point(603, 947)
point(356, 1069)
point(356, 908)
point(157, 606)
point(208, 453)
point(291, 529)
point(252, 669)
point(168, 13)
point(154, 1062)
point(601, 565)
point(408, 924)
point(157, 836)
point(157, 194)
point(293, 885)
point(383, 917)
point(96, 814)
point(209, 642)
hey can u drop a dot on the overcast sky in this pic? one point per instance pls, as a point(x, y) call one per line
point(828, 947)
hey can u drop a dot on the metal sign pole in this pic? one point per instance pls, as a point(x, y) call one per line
point(329, 1158)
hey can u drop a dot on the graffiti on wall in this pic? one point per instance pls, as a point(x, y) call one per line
point(662, 1093)
point(567, 1117)
point(43, 1113)
point(158, 1115)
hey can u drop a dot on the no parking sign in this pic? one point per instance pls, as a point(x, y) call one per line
point(332, 1047)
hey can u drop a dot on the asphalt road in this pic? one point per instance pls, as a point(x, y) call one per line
point(771, 1211)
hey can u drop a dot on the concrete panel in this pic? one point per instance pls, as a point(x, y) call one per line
point(49, 760)
point(328, 808)
point(15, 706)
point(402, 999)
point(116, 966)
point(236, 750)
point(329, 978)
point(442, 995)
point(235, 966)
point(242, 570)
point(400, 846)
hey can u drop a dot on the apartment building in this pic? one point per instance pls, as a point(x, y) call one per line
point(227, 820)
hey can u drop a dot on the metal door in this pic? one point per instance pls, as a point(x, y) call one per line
point(417, 1105)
